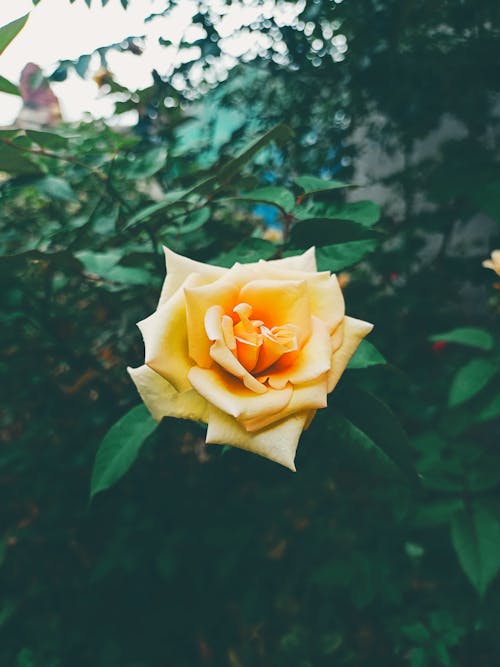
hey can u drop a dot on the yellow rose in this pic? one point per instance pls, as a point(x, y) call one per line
point(252, 350)
point(494, 262)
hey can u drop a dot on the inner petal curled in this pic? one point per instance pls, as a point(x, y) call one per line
point(248, 347)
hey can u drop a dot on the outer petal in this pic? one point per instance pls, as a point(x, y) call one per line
point(327, 301)
point(179, 268)
point(354, 332)
point(162, 400)
point(304, 262)
point(241, 274)
point(166, 338)
point(305, 398)
point(494, 262)
point(309, 417)
point(231, 396)
point(277, 443)
point(198, 300)
point(337, 337)
point(308, 364)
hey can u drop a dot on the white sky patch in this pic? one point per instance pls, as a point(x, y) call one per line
point(58, 30)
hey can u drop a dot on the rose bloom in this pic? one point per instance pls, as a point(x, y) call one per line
point(253, 350)
point(494, 262)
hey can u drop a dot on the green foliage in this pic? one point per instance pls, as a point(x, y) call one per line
point(383, 549)
point(7, 87)
point(466, 336)
point(120, 448)
point(365, 356)
point(470, 379)
point(9, 31)
point(476, 537)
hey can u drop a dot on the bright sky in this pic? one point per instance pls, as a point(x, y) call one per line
point(58, 30)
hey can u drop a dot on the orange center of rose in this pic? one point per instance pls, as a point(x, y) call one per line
point(251, 343)
point(256, 346)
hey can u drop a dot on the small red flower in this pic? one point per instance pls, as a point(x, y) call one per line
point(439, 346)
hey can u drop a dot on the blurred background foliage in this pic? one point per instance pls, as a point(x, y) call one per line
point(202, 558)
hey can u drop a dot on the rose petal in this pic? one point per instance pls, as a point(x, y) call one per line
point(198, 301)
point(231, 396)
point(269, 352)
point(247, 352)
point(282, 269)
point(278, 302)
point(304, 262)
point(494, 262)
point(221, 353)
point(166, 339)
point(337, 337)
point(305, 398)
point(277, 443)
point(162, 400)
point(305, 365)
point(327, 301)
point(354, 332)
point(310, 416)
point(179, 268)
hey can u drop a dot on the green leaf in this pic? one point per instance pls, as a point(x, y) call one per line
point(47, 139)
point(376, 419)
point(13, 161)
point(366, 213)
point(9, 31)
point(148, 164)
point(226, 173)
point(438, 512)
point(366, 355)
point(280, 133)
point(472, 336)
point(470, 379)
point(120, 448)
point(312, 185)
point(353, 445)
point(491, 410)
point(275, 196)
point(326, 231)
point(475, 534)
point(341, 255)
point(249, 250)
point(174, 200)
point(8, 87)
point(105, 265)
point(55, 188)
point(98, 263)
point(194, 220)
point(129, 275)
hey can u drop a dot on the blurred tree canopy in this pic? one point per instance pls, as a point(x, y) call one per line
point(200, 558)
